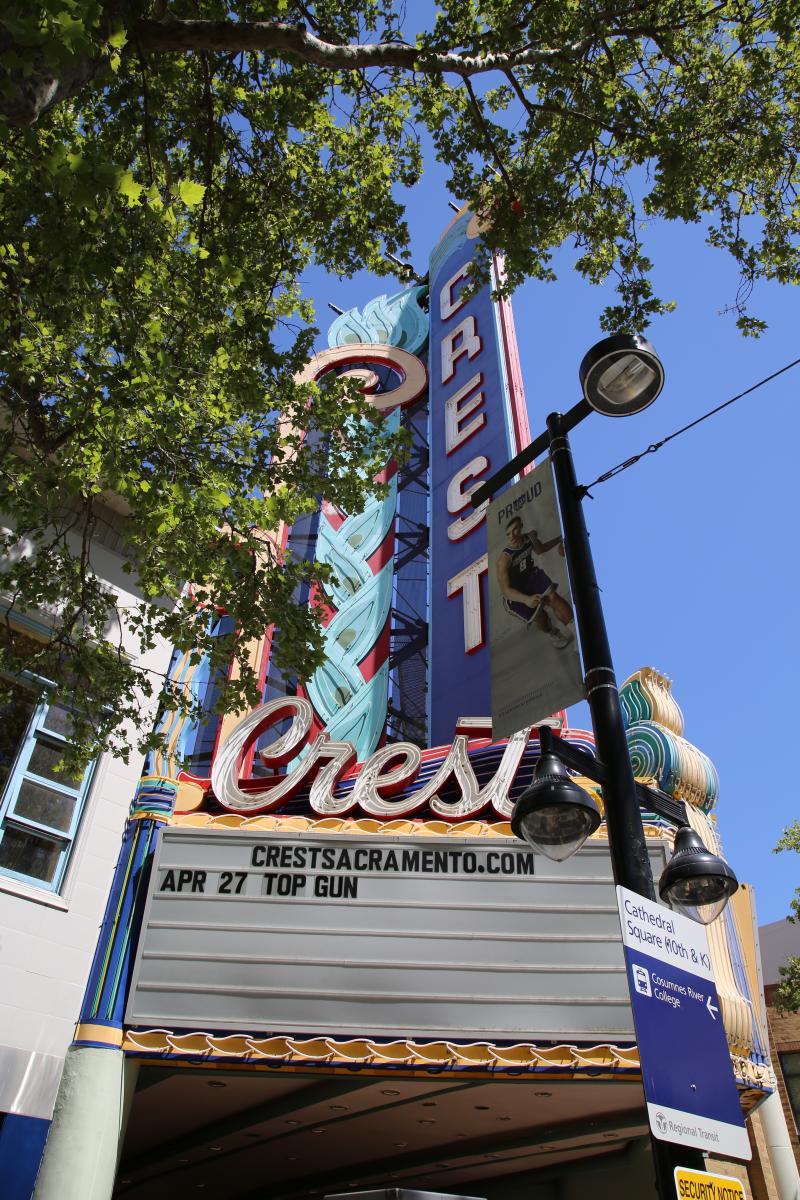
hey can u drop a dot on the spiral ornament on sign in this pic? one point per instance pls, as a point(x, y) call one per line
point(350, 690)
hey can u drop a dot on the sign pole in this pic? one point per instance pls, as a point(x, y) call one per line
point(626, 836)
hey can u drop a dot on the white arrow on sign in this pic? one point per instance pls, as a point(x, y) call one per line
point(712, 1009)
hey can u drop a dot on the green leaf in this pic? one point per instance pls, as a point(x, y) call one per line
point(129, 188)
point(191, 193)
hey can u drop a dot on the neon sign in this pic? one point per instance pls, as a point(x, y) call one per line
point(328, 766)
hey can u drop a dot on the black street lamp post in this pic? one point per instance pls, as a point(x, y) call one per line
point(621, 375)
point(626, 837)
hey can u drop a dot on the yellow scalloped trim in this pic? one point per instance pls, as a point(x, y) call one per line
point(603, 1060)
point(566, 1058)
point(349, 825)
point(364, 825)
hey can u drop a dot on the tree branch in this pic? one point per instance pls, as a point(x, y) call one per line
point(41, 89)
point(280, 37)
point(556, 110)
point(487, 133)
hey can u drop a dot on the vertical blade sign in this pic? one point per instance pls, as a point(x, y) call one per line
point(477, 415)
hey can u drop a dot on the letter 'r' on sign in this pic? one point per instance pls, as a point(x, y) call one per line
point(461, 340)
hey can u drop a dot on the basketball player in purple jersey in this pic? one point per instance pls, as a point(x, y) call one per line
point(528, 591)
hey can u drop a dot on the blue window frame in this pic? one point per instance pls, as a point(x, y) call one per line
point(40, 808)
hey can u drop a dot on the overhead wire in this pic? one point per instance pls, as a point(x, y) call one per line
point(655, 446)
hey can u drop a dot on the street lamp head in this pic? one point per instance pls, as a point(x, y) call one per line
point(554, 815)
point(696, 882)
point(621, 375)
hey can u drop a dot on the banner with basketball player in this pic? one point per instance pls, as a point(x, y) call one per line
point(535, 664)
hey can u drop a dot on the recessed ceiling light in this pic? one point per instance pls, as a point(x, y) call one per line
point(429, 1104)
point(215, 1147)
point(481, 1107)
point(339, 1108)
point(292, 1158)
point(426, 1122)
point(213, 1083)
point(289, 1121)
point(542, 1093)
point(317, 1130)
point(504, 1118)
point(389, 1092)
point(401, 1145)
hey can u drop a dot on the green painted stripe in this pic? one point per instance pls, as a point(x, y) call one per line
point(126, 938)
point(104, 971)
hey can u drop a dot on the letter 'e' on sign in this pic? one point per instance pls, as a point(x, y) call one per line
point(700, 1185)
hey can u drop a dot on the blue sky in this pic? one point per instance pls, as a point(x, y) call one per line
point(696, 547)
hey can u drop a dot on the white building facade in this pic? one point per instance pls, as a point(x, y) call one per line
point(59, 842)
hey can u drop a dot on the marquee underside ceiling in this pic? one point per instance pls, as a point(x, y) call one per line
point(292, 1137)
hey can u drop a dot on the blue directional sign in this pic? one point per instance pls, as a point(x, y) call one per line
point(686, 1065)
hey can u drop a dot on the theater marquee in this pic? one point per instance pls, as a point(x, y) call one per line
point(422, 936)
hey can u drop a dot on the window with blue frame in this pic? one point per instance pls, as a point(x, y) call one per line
point(40, 807)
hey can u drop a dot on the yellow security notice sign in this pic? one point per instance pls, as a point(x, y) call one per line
point(699, 1185)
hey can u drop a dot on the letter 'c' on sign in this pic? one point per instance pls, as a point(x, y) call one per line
point(225, 771)
point(448, 305)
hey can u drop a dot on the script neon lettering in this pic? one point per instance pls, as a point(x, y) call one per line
point(385, 773)
point(376, 781)
point(225, 771)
